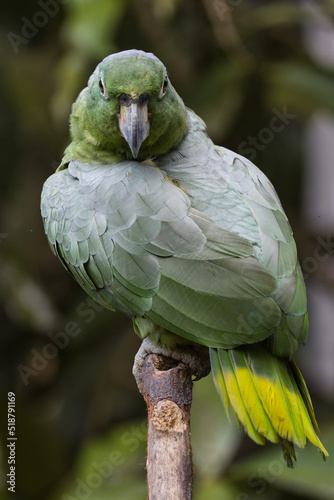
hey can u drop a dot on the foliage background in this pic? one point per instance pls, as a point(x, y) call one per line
point(80, 420)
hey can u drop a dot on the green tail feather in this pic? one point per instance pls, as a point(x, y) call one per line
point(268, 396)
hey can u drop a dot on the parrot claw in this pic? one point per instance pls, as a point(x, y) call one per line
point(195, 357)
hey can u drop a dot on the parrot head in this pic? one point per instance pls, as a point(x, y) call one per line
point(130, 107)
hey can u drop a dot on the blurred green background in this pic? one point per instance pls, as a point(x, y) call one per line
point(80, 421)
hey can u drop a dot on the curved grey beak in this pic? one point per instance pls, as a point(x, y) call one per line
point(134, 125)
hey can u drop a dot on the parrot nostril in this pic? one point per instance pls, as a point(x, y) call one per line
point(125, 99)
point(143, 98)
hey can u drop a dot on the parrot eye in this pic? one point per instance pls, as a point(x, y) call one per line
point(103, 89)
point(164, 87)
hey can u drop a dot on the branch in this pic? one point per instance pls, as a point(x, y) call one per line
point(167, 390)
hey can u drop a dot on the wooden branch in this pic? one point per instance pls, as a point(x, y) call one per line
point(167, 390)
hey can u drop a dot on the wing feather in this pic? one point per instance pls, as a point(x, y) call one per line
point(214, 261)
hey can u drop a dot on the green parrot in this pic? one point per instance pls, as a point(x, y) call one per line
point(186, 238)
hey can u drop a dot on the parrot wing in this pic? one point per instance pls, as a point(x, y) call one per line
point(131, 239)
point(233, 192)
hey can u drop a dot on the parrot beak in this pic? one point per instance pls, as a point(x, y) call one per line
point(134, 124)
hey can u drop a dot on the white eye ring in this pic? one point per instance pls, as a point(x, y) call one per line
point(103, 88)
point(164, 86)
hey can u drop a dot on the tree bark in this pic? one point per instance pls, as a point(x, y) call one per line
point(167, 390)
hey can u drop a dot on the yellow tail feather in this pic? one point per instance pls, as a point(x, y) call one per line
point(268, 396)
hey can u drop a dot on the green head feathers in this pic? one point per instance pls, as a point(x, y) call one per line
point(128, 110)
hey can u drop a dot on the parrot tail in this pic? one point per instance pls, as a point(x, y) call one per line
point(269, 397)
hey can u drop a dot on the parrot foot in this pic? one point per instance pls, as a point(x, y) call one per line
point(195, 357)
